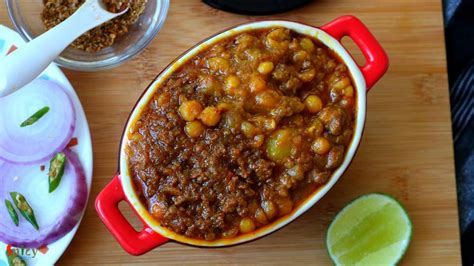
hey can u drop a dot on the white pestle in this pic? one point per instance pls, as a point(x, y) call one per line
point(30, 60)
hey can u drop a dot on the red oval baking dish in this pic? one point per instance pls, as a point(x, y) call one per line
point(121, 187)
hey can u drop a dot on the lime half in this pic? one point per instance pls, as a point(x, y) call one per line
point(374, 229)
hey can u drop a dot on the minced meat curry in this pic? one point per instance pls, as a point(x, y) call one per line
point(242, 133)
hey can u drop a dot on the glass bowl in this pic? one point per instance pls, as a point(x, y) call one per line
point(26, 17)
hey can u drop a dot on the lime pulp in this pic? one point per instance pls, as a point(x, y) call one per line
point(374, 229)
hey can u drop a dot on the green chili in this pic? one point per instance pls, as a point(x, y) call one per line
point(56, 170)
point(12, 212)
point(14, 259)
point(25, 208)
point(35, 117)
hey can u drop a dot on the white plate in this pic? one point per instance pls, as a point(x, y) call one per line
point(83, 150)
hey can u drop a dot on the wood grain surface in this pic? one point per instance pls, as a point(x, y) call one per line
point(406, 150)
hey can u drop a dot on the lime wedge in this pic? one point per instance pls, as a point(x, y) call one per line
point(374, 229)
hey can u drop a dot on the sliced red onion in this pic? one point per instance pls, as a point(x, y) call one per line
point(41, 140)
point(56, 213)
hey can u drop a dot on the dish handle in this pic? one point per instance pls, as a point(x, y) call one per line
point(135, 243)
point(376, 59)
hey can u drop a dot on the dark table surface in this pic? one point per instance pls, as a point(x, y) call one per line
point(459, 23)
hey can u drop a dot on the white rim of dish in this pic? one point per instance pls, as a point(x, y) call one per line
point(316, 33)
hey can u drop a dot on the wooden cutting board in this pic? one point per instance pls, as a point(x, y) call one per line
point(406, 150)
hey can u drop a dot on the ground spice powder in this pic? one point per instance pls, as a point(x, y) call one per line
point(105, 35)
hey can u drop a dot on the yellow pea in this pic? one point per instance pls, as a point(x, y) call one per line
point(349, 91)
point(260, 216)
point(308, 75)
point(279, 34)
point(300, 56)
point(248, 129)
point(252, 54)
point(270, 209)
point(265, 67)
point(321, 146)
point(209, 85)
point(189, 110)
point(268, 99)
point(269, 124)
point(231, 84)
point(307, 45)
point(194, 129)
point(210, 116)
point(341, 84)
point(313, 103)
point(257, 84)
point(246, 225)
point(315, 129)
point(218, 64)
